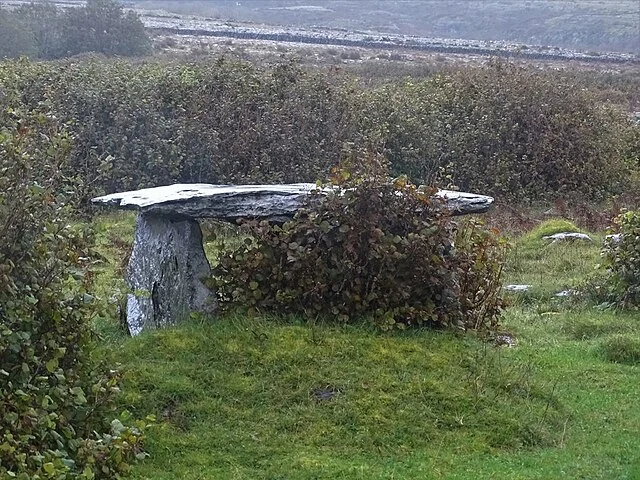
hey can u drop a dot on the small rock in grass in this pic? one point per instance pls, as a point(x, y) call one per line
point(325, 393)
point(517, 288)
point(504, 340)
point(613, 239)
point(568, 236)
point(566, 293)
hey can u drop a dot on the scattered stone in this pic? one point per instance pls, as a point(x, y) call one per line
point(199, 27)
point(613, 239)
point(517, 288)
point(565, 293)
point(463, 203)
point(568, 236)
point(504, 339)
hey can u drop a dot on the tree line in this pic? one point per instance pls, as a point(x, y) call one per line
point(42, 30)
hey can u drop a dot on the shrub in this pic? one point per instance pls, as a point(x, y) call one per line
point(504, 130)
point(274, 125)
point(46, 31)
point(58, 415)
point(378, 249)
point(137, 126)
point(620, 285)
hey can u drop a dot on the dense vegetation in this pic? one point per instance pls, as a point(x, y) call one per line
point(45, 31)
point(372, 248)
point(508, 131)
point(618, 281)
point(500, 129)
point(59, 417)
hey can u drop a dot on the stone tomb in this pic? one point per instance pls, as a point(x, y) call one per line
point(168, 260)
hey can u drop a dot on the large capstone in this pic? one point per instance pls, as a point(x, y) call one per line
point(165, 272)
point(224, 202)
point(230, 202)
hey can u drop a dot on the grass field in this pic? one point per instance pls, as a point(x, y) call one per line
point(265, 398)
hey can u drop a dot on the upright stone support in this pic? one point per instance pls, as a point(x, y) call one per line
point(165, 272)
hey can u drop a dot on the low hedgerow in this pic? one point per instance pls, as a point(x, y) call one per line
point(518, 133)
point(377, 249)
point(506, 130)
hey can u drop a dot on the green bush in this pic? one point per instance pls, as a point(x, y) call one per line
point(45, 31)
point(505, 130)
point(145, 125)
point(58, 415)
point(516, 133)
point(382, 250)
point(619, 278)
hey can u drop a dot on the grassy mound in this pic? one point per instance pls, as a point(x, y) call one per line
point(278, 399)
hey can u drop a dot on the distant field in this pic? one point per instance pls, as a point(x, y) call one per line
point(533, 28)
point(599, 25)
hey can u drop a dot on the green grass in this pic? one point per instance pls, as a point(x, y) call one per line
point(551, 267)
point(265, 398)
point(114, 237)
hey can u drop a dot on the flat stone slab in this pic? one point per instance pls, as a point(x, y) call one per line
point(464, 203)
point(229, 202)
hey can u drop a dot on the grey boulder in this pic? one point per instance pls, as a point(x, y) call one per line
point(165, 272)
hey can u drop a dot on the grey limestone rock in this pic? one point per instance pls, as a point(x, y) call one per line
point(229, 202)
point(225, 202)
point(568, 236)
point(566, 293)
point(463, 203)
point(164, 273)
point(517, 288)
point(613, 239)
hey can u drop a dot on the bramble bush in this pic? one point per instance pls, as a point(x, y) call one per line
point(513, 132)
point(620, 285)
point(137, 126)
point(377, 249)
point(508, 131)
point(58, 412)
